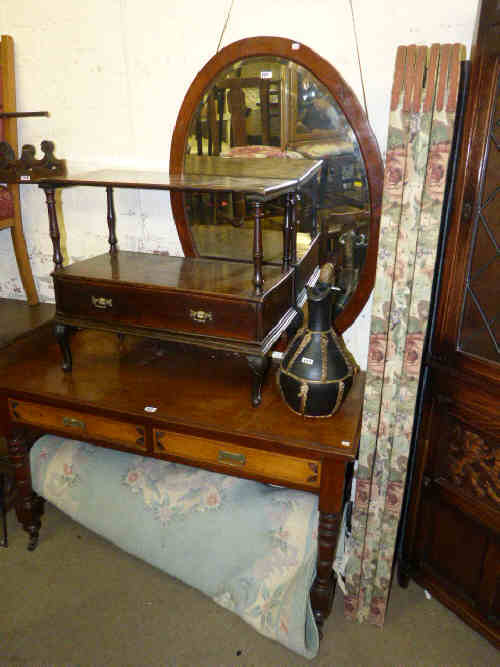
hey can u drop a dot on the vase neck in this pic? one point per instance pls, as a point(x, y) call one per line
point(319, 301)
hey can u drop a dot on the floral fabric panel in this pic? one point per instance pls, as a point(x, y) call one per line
point(414, 185)
point(250, 547)
point(394, 179)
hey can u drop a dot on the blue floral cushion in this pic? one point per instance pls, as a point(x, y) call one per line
point(250, 547)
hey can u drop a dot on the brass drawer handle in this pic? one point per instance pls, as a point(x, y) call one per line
point(74, 423)
point(200, 316)
point(101, 302)
point(231, 457)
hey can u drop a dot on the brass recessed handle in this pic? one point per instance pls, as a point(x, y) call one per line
point(200, 316)
point(231, 457)
point(101, 302)
point(74, 423)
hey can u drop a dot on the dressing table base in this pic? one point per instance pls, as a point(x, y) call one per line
point(104, 404)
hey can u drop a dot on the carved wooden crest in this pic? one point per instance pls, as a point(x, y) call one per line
point(28, 167)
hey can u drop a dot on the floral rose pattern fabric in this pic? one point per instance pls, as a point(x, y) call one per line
point(418, 149)
point(250, 547)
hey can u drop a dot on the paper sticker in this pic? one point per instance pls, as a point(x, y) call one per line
point(266, 75)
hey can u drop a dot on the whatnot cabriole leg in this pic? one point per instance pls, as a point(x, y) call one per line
point(259, 367)
point(28, 505)
point(61, 332)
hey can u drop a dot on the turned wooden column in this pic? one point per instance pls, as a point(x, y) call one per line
point(330, 514)
point(258, 279)
point(53, 226)
point(294, 225)
point(287, 229)
point(111, 218)
point(28, 506)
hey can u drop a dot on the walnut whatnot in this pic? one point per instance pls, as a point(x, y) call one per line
point(242, 307)
point(207, 303)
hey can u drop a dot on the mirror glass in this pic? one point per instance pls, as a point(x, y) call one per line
point(268, 106)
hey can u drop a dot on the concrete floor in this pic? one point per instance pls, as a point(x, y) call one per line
point(78, 600)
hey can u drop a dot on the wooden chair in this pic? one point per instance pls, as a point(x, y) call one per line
point(10, 204)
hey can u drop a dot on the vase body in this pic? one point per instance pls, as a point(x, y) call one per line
point(316, 371)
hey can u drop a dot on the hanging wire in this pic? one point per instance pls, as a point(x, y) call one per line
point(225, 26)
point(359, 58)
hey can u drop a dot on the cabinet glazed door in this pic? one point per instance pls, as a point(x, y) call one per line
point(479, 326)
point(452, 538)
point(468, 320)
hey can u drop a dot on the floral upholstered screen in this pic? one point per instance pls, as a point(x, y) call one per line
point(421, 122)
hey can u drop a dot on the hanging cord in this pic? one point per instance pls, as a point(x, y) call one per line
point(359, 59)
point(225, 26)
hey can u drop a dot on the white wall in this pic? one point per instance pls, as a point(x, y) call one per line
point(113, 74)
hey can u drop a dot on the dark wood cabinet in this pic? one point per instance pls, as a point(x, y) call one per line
point(451, 542)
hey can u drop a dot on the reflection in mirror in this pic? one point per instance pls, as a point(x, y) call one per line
point(266, 106)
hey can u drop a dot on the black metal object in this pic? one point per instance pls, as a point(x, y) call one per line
point(317, 371)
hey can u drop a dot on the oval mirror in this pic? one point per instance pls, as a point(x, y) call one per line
point(271, 97)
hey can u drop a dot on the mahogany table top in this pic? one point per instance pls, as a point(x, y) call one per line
point(193, 389)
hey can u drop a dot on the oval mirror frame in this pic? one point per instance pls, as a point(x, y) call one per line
point(349, 105)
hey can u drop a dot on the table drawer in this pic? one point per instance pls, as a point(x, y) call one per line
point(78, 424)
point(279, 467)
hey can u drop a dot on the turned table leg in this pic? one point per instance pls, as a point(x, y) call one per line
point(330, 512)
point(28, 505)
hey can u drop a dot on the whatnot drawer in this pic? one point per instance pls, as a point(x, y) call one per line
point(78, 424)
point(160, 309)
point(279, 467)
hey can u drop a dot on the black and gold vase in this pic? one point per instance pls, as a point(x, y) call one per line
point(317, 371)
